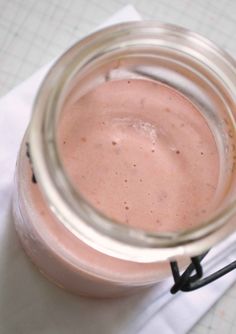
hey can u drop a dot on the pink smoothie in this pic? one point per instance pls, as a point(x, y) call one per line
point(141, 153)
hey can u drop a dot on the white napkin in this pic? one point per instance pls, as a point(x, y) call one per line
point(29, 304)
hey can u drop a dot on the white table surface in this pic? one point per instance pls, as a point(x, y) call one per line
point(34, 32)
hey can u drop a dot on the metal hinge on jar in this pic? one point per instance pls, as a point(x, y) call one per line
point(192, 278)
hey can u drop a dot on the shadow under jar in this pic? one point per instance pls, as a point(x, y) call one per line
point(129, 159)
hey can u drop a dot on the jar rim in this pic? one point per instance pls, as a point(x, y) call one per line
point(83, 220)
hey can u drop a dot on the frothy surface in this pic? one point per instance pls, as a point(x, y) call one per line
point(141, 153)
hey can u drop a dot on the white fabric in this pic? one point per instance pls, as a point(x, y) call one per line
point(29, 304)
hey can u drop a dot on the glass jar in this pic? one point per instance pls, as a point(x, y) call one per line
point(72, 243)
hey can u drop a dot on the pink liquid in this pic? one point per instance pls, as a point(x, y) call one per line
point(142, 154)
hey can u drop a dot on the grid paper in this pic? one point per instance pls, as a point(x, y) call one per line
point(34, 32)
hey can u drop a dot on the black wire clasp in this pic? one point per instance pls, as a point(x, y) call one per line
point(29, 157)
point(188, 281)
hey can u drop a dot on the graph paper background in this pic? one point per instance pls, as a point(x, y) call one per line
point(34, 32)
